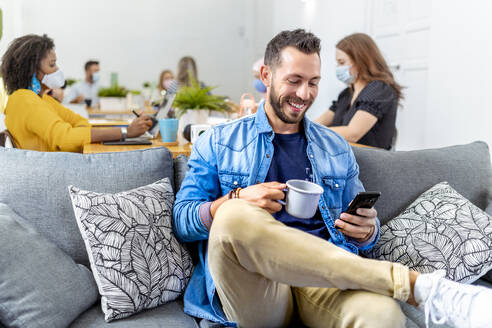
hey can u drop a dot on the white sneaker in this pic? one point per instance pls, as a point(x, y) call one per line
point(447, 302)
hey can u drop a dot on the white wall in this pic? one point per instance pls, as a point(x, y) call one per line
point(138, 39)
point(11, 29)
point(460, 69)
point(11, 20)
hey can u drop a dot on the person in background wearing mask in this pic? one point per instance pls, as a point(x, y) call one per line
point(365, 111)
point(35, 119)
point(165, 80)
point(186, 67)
point(86, 91)
point(257, 83)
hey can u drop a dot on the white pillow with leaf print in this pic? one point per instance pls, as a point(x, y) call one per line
point(136, 260)
point(440, 230)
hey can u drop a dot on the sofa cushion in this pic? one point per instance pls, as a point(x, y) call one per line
point(137, 261)
point(169, 315)
point(439, 230)
point(34, 184)
point(488, 276)
point(402, 176)
point(40, 286)
point(180, 169)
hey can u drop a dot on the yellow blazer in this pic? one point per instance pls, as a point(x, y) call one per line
point(42, 123)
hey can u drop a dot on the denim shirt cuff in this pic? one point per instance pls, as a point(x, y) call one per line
point(205, 215)
point(371, 242)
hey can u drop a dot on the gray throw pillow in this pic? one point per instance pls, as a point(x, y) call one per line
point(34, 185)
point(440, 230)
point(136, 259)
point(40, 286)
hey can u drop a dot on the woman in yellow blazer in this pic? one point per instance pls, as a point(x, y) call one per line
point(36, 120)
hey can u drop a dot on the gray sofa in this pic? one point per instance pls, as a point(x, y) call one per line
point(34, 185)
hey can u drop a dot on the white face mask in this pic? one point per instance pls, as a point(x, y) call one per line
point(54, 80)
point(95, 77)
point(167, 83)
point(343, 74)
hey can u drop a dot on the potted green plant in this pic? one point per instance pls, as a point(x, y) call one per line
point(113, 98)
point(193, 104)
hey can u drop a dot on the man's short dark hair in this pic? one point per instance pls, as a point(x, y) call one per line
point(303, 41)
point(90, 63)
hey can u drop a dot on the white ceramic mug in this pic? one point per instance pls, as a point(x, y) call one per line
point(301, 199)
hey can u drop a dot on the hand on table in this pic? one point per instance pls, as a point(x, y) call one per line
point(139, 126)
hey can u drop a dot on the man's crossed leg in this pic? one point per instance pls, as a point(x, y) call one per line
point(261, 268)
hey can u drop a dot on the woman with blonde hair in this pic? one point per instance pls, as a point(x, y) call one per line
point(186, 66)
point(365, 111)
point(165, 80)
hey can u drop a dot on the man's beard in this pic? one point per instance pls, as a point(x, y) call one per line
point(277, 103)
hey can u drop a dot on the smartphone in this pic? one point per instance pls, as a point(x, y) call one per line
point(365, 199)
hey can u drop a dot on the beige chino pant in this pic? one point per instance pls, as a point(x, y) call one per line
point(261, 268)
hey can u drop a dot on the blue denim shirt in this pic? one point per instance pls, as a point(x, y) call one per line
point(238, 154)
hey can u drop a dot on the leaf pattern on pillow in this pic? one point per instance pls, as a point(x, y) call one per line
point(135, 258)
point(439, 230)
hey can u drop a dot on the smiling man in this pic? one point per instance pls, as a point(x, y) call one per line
point(258, 265)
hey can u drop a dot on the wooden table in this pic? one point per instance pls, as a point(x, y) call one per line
point(103, 123)
point(175, 149)
point(97, 113)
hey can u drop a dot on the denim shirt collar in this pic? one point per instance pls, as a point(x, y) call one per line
point(261, 121)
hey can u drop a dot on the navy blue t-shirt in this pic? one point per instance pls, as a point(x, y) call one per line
point(290, 161)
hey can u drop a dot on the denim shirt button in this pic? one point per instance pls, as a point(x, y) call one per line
point(235, 183)
point(312, 156)
point(336, 185)
point(267, 155)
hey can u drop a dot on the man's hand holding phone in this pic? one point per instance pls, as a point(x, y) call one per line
point(360, 224)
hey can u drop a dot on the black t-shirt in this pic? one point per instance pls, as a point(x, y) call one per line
point(290, 161)
point(378, 99)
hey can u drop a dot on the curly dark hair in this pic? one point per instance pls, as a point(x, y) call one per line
point(303, 41)
point(22, 59)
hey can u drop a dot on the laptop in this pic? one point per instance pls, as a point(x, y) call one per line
point(164, 108)
point(129, 141)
